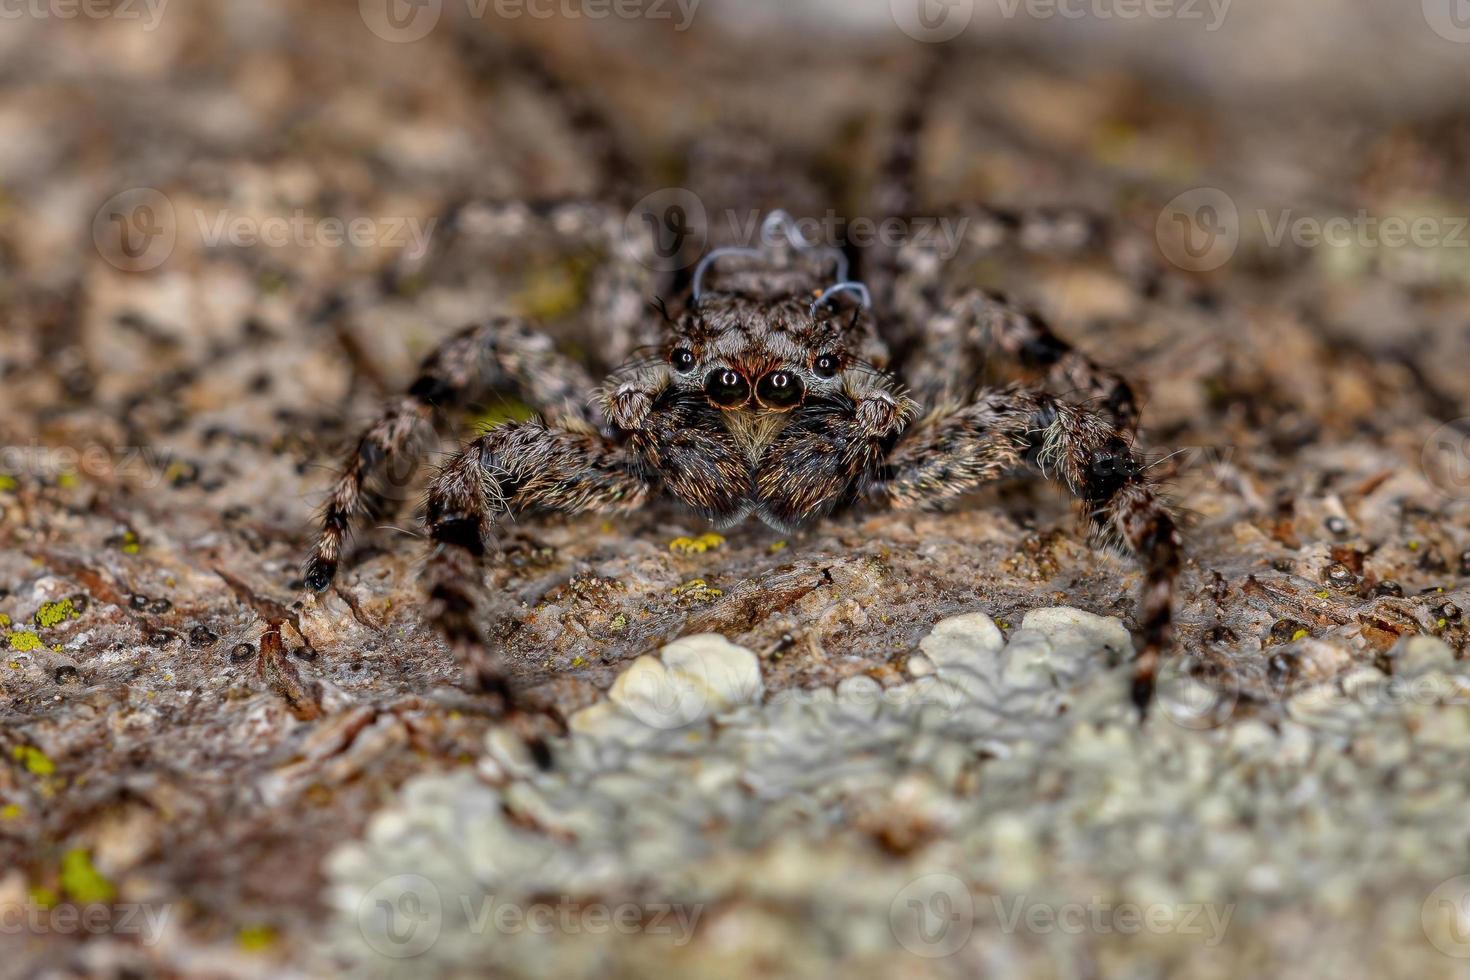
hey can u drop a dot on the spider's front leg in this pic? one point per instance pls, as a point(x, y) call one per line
point(659, 445)
point(952, 452)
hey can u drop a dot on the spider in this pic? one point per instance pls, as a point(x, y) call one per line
point(768, 389)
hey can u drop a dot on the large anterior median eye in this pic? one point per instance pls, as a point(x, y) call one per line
point(779, 389)
point(726, 388)
point(682, 359)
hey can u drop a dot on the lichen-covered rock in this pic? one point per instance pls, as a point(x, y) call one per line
point(932, 827)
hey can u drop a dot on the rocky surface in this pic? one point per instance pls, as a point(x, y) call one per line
point(904, 718)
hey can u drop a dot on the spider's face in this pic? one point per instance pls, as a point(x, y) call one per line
point(758, 355)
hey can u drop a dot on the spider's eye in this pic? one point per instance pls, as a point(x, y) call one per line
point(726, 388)
point(779, 389)
point(826, 366)
point(682, 359)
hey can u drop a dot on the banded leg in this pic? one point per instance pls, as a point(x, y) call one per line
point(946, 363)
point(501, 353)
point(511, 468)
point(953, 452)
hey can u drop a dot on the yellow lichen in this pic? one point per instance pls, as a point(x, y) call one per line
point(130, 544)
point(697, 546)
point(620, 622)
point(81, 881)
point(696, 589)
point(776, 546)
point(579, 661)
point(34, 761)
point(1299, 634)
point(23, 642)
point(254, 939)
point(4, 620)
point(8, 483)
point(10, 811)
point(54, 613)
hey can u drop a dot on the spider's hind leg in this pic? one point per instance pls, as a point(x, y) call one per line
point(950, 354)
point(501, 353)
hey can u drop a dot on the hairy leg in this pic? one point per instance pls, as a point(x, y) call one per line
point(512, 468)
point(954, 451)
point(947, 361)
point(501, 353)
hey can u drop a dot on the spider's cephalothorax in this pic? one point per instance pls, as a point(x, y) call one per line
point(775, 388)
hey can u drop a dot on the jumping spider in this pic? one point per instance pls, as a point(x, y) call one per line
point(771, 389)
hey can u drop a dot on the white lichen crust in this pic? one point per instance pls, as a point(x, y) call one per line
point(1003, 812)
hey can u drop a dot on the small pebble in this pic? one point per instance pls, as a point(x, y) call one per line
point(307, 653)
point(1340, 576)
point(67, 674)
point(201, 636)
point(1465, 562)
point(1449, 611)
point(79, 602)
point(160, 606)
point(1337, 526)
point(1388, 587)
point(138, 601)
point(242, 652)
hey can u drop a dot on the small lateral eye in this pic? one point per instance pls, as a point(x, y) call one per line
point(682, 359)
point(825, 366)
